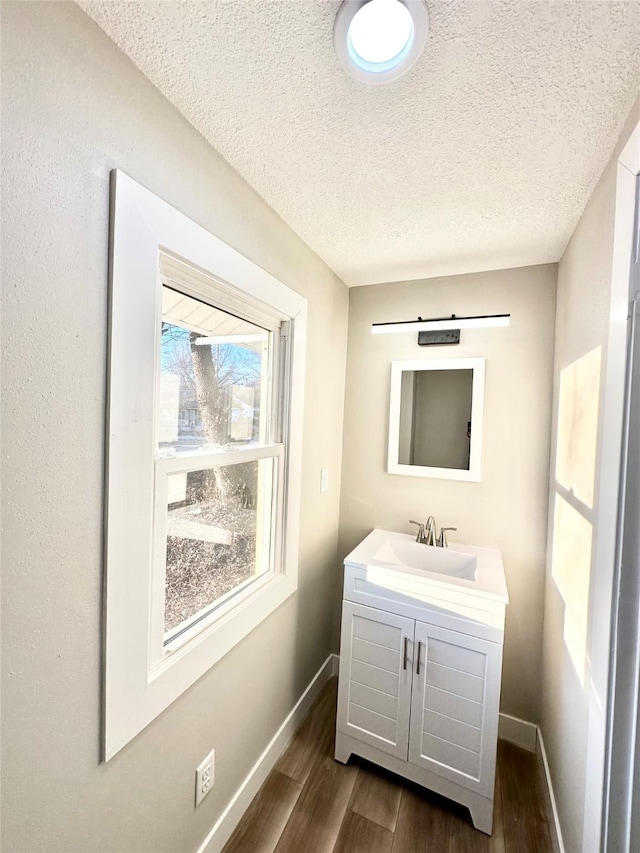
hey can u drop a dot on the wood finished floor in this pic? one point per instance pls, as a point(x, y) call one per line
point(312, 804)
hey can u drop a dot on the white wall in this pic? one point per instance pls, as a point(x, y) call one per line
point(578, 585)
point(508, 508)
point(73, 108)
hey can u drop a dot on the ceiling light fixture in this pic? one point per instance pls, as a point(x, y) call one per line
point(378, 40)
point(453, 322)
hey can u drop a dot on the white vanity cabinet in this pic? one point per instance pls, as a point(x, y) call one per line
point(416, 696)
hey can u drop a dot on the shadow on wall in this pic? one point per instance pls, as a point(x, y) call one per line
point(573, 500)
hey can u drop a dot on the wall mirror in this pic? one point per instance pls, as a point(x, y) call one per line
point(435, 418)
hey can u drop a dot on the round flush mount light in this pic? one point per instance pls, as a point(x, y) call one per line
point(379, 40)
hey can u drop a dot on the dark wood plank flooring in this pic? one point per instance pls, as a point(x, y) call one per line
point(313, 804)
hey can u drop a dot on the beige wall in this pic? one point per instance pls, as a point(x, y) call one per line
point(508, 508)
point(74, 108)
point(574, 590)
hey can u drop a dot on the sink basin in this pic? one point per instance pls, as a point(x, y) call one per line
point(405, 553)
point(387, 559)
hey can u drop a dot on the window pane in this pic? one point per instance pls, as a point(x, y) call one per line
point(214, 371)
point(218, 536)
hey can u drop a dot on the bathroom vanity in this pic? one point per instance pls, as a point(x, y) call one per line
point(420, 664)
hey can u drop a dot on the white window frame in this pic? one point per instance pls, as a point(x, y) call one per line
point(141, 677)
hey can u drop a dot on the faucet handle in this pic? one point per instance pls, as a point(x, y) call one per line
point(420, 537)
point(442, 539)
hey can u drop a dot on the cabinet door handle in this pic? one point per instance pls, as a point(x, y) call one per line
point(404, 659)
point(418, 659)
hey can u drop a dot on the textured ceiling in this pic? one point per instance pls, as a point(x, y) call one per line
point(481, 157)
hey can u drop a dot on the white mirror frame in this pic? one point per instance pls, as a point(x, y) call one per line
point(477, 365)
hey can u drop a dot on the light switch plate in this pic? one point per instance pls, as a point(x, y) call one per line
point(324, 480)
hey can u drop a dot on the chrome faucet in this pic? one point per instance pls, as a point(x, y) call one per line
point(421, 538)
point(442, 539)
point(427, 533)
point(430, 531)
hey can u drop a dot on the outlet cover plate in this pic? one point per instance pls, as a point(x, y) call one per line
point(204, 777)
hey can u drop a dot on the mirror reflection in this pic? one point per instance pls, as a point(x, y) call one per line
point(435, 418)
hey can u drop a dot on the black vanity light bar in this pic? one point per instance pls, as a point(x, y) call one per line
point(452, 322)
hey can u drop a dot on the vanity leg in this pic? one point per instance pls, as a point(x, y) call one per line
point(482, 815)
point(343, 751)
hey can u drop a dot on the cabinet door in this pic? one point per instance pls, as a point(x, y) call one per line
point(454, 706)
point(374, 695)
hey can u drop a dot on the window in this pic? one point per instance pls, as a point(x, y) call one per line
point(219, 455)
point(204, 450)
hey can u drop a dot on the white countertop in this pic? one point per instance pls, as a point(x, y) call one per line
point(489, 583)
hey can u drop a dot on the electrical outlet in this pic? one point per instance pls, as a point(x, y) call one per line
point(204, 777)
point(324, 480)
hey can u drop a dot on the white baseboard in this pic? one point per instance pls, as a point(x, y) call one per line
point(335, 664)
point(518, 731)
point(554, 806)
point(230, 817)
point(529, 737)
